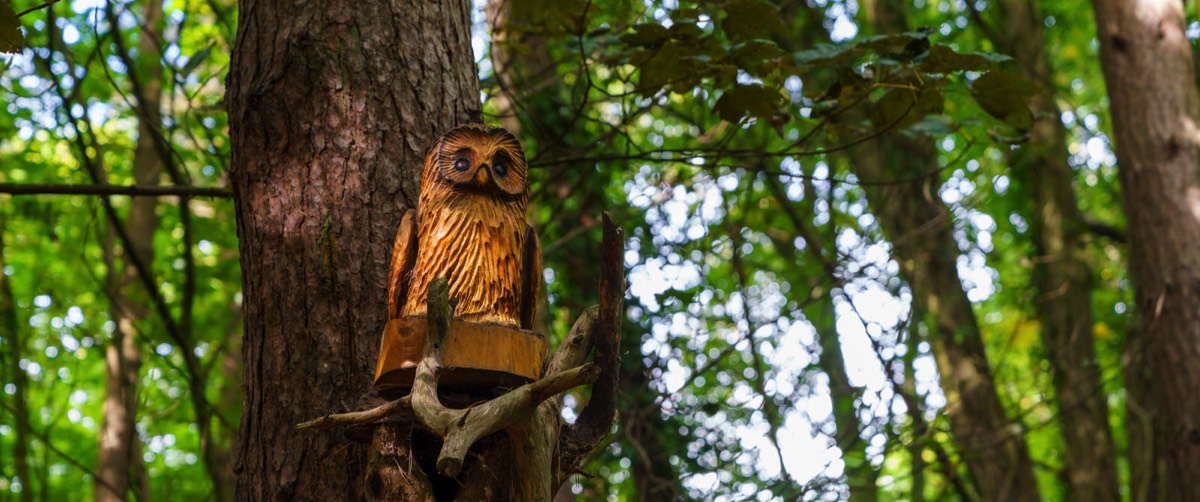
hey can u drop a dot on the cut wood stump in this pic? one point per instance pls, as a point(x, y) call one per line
point(477, 358)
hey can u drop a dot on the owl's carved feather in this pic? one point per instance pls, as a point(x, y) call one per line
point(531, 280)
point(404, 256)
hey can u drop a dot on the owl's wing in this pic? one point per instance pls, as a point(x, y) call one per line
point(404, 256)
point(531, 277)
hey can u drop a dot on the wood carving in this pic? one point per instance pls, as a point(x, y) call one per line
point(469, 227)
point(537, 452)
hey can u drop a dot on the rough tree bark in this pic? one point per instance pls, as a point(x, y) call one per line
point(1061, 274)
point(1147, 62)
point(331, 106)
point(919, 227)
point(119, 454)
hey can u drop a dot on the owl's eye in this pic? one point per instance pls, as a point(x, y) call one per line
point(499, 167)
point(462, 164)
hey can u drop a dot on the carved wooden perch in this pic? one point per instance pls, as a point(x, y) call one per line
point(542, 451)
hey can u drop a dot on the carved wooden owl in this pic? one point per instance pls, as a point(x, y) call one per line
point(469, 226)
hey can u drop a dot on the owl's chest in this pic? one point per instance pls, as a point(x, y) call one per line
point(478, 249)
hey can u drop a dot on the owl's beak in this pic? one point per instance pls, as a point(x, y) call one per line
point(483, 176)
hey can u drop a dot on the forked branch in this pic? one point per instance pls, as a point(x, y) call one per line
point(461, 428)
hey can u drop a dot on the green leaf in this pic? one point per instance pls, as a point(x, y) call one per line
point(754, 100)
point(685, 31)
point(645, 35)
point(756, 54)
point(824, 54)
point(663, 67)
point(196, 59)
point(943, 59)
point(11, 39)
point(900, 108)
point(1005, 97)
point(751, 19)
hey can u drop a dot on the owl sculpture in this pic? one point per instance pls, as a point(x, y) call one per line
point(469, 226)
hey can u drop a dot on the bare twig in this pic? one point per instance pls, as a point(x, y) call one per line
point(38, 7)
point(370, 416)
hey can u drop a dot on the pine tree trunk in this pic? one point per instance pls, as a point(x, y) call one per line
point(331, 105)
point(1148, 68)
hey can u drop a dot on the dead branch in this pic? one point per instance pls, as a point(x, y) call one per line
point(373, 415)
point(596, 420)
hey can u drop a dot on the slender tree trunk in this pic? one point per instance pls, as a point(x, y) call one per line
point(1060, 272)
point(919, 227)
point(119, 460)
point(1147, 64)
point(10, 335)
point(332, 106)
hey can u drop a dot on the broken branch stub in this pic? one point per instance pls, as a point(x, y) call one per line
point(596, 420)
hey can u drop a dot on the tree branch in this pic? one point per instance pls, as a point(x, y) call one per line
point(370, 416)
point(596, 420)
point(38, 7)
point(1114, 234)
point(106, 190)
point(462, 428)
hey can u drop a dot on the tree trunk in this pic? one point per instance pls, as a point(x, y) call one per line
point(331, 106)
point(1148, 68)
point(1061, 274)
point(10, 335)
point(919, 227)
point(119, 461)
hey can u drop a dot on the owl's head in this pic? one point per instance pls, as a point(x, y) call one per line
point(478, 159)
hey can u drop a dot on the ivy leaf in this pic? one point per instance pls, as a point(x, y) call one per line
point(750, 19)
point(11, 39)
point(754, 100)
point(1005, 97)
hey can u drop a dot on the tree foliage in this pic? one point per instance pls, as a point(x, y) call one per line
point(772, 347)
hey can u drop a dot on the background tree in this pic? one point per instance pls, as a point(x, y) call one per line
point(1153, 100)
